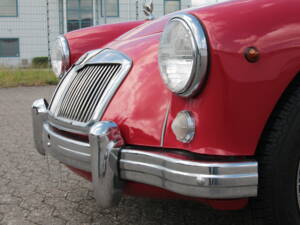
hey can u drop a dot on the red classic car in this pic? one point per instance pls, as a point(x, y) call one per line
point(202, 104)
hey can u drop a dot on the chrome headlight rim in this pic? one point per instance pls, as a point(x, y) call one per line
point(65, 50)
point(200, 52)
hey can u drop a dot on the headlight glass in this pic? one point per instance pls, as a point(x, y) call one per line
point(60, 56)
point(183, 55)
point(183, 126)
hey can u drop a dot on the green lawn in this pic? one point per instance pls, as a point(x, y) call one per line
point(26, 77)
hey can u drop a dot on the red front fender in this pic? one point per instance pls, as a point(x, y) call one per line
point(83, 40)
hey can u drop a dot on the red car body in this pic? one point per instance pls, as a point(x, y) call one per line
point(237, 99)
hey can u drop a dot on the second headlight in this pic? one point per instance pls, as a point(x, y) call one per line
point(183, 55)
point(60, 56)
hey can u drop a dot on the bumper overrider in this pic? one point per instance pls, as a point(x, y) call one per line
point(111, 163)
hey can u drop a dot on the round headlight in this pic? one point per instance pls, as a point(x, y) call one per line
point(183, 55)
point(60, 56)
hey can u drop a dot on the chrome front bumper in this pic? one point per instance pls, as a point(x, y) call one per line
point(107, 159)
point(68, 151)
point(215, 180)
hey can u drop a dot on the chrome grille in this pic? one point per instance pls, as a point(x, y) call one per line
point(85, 90)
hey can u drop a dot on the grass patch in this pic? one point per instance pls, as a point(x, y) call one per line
point(26, 77)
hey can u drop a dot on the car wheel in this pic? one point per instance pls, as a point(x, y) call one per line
point(278, 155)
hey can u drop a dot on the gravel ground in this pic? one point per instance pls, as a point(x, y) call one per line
point(38, 190)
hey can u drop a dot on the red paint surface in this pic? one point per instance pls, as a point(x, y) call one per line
point(139, 106)
point(83, 40)
point(238, 97)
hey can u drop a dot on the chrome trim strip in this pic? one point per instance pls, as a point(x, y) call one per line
point(53, 134)
point(196, 179)
point(66, 125)
point(81, 154)
point(162, 138)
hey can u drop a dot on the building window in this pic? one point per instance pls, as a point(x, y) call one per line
point(8, 8)
point(111, 6)
point(61, 16)
point(9, 47)
point(79, 14)
point(171, 6)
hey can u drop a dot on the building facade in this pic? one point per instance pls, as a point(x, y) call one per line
point(23, 31)
point(199, 3)
point(28, 28)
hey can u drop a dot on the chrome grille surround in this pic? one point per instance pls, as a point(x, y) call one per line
point(83, 95)
point(85, 90)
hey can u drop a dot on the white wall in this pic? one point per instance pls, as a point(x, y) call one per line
point(53, 21)
point(128, 10)
point(197, 3)
point(30, 27)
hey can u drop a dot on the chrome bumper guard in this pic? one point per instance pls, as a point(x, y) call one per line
point(108, 162)
point(68, 151)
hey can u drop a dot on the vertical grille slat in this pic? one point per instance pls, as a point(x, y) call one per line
point(93, 93)
point(77, 94)
point(66, 108)
point(85, 91)
point(92, 104)
point(90, 88)
point(72, 88)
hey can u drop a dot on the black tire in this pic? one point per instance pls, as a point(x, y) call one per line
point(278, 155)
